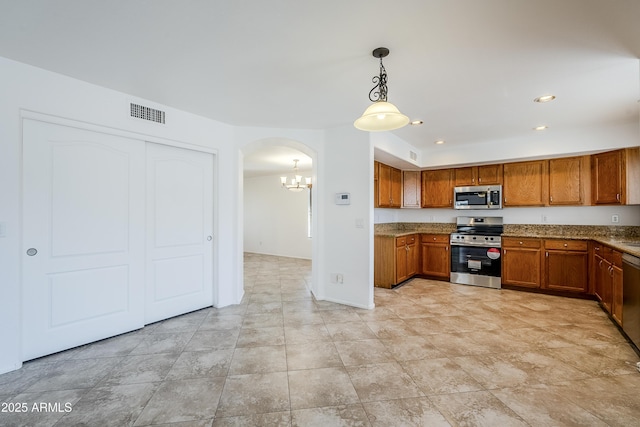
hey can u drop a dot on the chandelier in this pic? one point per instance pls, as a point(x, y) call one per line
point(381, 115)
point(295, 182)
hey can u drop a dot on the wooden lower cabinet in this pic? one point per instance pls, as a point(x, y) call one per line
point(616, 297)
point(522, 262)
point(566, 265)
point(435, 256)
point(395, 259)
point(607, 277)
point(603, 289)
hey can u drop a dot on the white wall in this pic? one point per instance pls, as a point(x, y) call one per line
point(348, 168)
point(275, 219)
point(574, 215)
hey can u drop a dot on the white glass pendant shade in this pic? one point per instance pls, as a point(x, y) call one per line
point(381, 116)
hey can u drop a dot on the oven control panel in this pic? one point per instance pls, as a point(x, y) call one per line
point(475, 240)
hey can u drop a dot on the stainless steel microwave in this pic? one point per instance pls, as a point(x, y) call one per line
point(478, 197)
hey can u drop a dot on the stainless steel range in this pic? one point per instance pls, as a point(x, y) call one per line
point(476, 255)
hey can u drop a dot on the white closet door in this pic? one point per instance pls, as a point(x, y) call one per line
point(83, 237)
point(179, 231)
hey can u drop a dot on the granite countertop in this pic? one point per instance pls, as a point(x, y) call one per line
point(622, 238)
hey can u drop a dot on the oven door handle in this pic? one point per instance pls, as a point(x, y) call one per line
point(476, 245)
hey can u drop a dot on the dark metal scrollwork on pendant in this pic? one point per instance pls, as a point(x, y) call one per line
point(380, 84)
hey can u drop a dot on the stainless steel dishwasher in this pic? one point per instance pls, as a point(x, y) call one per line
point(631, 297)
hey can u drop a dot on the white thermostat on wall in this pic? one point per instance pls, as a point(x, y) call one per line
point(343, 199)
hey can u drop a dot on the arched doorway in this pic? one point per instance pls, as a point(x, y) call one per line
point(278, 222)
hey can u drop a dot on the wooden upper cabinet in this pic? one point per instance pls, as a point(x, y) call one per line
point(490, 174)
point(411, 187)
point(570, 181)
point(376, 192)
point(526, 183)
point(396, 188)
point(615, 176)
point(478, 175)
point(465, 176)
point(437, 188)
point(389, 185)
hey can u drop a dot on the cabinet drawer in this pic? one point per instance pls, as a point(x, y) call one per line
point(566, 245)
point(434, 238)
point(510, 242)
point(405, 240)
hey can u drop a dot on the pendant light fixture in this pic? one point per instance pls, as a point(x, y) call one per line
point(381, 115)
point(295, 183)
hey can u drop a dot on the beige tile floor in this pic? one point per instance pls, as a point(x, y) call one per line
point(430, 354)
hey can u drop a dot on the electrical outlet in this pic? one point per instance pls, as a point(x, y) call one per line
point(615, 218)
point(545, 218)
point(340, 278)
point(337, 278)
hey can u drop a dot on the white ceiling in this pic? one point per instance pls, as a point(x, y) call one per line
point(469, 68)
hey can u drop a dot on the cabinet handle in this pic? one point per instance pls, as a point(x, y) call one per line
point(479, 180)
point(446, 248)
point(565, 245)
point(434, 239)
point(547, 254)
point(597, 249)
point(618, 196)
point(600, 264)
point(551, 199)
point(520, 242)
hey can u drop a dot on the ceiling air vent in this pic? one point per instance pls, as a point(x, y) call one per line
point(413, 156)
point(146, 113)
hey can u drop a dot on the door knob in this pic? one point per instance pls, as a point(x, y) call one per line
point(209, 238)
point(32, 251)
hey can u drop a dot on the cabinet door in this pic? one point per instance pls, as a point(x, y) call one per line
point(521, 267)
point(437, 188)
point(376, 189)
point(411, 189)
point(435, 260)
point(489, 174)
point(566, 271)
point(465, 176)
point(526, 183)
point(567, 178)
point(401, 263)
point(616, 294)
point(607, 172)
point(395, 176)
point(412, 259)
point(384, 185)
point(604, 290)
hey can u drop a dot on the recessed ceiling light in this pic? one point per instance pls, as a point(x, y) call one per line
point(439, 142)
point(416, 122)
point(543, 127)
point(545, 98)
